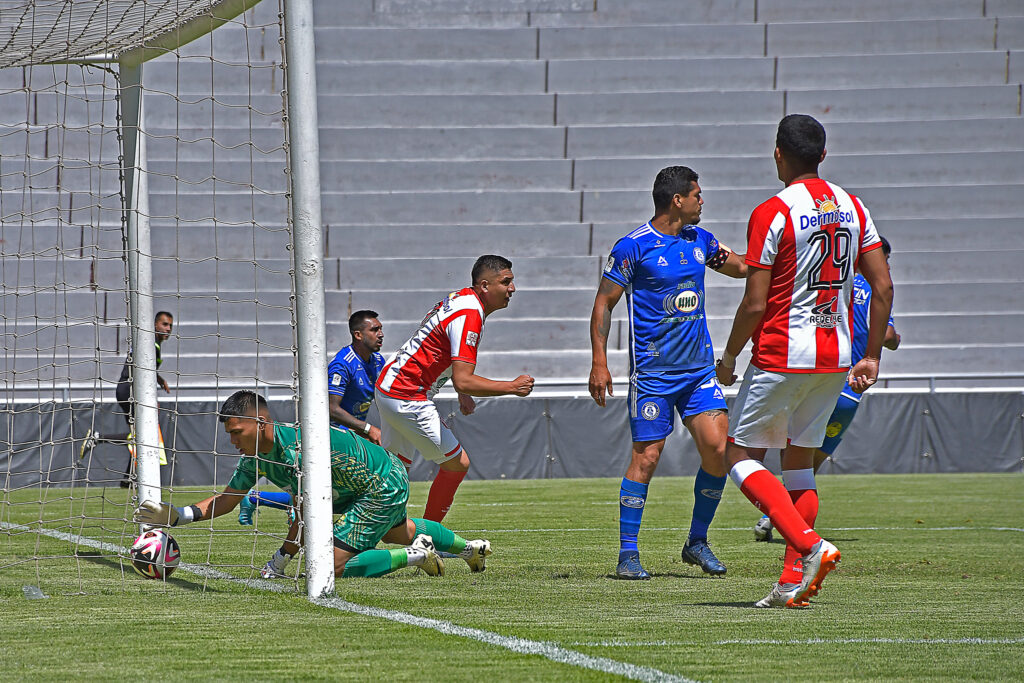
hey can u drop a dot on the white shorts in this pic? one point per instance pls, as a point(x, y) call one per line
point(773, 409)
point(409, 426)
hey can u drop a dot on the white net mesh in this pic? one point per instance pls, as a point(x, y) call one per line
point(218, 206)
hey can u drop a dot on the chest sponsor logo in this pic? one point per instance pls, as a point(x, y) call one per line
point(828, 213)
point(650, 410)
point(662, 261)
point(336, 379)
point(685, 301)
point(860, 296)
point(472, 337)
point(825, 315)
point(698, 255)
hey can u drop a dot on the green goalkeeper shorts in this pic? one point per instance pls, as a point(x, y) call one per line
point(365, 521)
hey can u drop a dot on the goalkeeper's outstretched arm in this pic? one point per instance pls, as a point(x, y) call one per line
point(164, 514)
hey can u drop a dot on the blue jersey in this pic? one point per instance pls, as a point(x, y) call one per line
point(664, 281)
point(352, 379)
point(861, 308)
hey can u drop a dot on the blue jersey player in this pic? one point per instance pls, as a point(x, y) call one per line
point(849, 400)
point(352, 374)
point(350, 379)
point(660, 267)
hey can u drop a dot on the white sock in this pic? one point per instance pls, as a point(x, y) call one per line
point(416, 556)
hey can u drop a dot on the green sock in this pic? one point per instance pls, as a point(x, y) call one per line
point(445, 540)
point(370, 563)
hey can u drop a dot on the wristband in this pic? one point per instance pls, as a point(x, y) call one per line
point(187, 515)
point(366, 428)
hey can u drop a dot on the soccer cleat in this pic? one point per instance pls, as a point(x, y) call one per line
point(88, 444)
point(629, 567)
point(432, 564)
point(822, 559)
point(480, 549)
point(763, 530)
point(246, 511)
point(782, 595)
point(698, 552)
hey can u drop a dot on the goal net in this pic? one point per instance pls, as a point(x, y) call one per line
point(121, 119)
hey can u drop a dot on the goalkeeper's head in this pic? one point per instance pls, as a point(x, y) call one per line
point(248, 422)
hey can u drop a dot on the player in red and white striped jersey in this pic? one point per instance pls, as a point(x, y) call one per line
point(803, 246)
point(444, 347)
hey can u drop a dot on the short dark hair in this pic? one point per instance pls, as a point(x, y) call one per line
point(886, 247)
point(160, 313)
point(801, 139)
point(671, 181)
point(242, 404)
point(359, 318)
point(489, 263)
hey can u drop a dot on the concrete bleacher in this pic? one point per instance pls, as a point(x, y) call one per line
point(534, 128)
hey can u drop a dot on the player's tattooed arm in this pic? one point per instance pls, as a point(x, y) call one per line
point(728, 262)
point(608, 294)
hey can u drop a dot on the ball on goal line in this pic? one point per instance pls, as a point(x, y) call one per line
point(155, 554)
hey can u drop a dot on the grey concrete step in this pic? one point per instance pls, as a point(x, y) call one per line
point(423, 6)
point(505, 174)
point(659, 74)
point(385, 44)
point(873, 37)
point(443, 143)
point(484, 206)
point(1004, 8)
point(923, 168)
point(449, 110)
point(509, 240)
point(709, 40)
point(435, 274)
point(652, 13)
point(794, 11)
point(433, 77)
point(919, 69)
point(844, 137)
point(991, 201)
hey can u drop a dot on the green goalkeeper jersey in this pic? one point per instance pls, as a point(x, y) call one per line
point(358, 467)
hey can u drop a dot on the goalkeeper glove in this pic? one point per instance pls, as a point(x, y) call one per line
point(162, 514)
point(274, 568)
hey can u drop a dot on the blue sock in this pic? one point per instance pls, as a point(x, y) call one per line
point(272, 499)
point(632, 498)
point(707, 494)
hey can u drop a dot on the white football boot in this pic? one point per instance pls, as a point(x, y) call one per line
point(781, 595)
point(432, 563)
point(822, 559)
point(475, 555)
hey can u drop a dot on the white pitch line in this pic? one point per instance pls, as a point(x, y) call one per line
point(547, 650)
point(809, 641)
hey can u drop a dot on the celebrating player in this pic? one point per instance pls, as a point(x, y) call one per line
point(660, 266)
point(370, 488)
point(163, 324)
point(849, 400)
point(350, 379)
point(803, 246)
point(445, 346)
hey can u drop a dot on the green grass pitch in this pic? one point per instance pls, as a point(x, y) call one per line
point(931, 586)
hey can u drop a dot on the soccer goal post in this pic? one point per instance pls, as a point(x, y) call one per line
point(155, 157)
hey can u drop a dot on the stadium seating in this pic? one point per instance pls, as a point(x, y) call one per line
point(534, 128)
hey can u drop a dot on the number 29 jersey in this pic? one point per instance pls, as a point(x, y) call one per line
point(664, 280)
point(810, 235)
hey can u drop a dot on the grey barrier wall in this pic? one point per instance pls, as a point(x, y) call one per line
point(527, 439)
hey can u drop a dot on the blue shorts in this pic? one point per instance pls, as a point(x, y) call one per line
point(652, 398)
point(842, 416)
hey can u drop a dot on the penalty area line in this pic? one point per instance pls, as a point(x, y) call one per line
point(548, 650)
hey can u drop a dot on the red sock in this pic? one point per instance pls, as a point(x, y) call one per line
point(442, 493)
point(766, 492)
point(806, 503)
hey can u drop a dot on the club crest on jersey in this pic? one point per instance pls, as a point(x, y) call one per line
point(698, 254)
point(471, 338)
point(829, 213)
point(685, 301)
point(650, 410)
point(825, 315)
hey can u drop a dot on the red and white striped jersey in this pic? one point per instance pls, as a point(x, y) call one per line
point(811, 236)
point(450, 331)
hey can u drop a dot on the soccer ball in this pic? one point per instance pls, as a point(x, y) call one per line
point(155, 554)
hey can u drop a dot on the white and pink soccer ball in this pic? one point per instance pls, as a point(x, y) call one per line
point(155, 554)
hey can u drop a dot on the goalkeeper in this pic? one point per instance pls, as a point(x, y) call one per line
point(370, 490)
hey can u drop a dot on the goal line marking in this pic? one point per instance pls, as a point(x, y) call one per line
point(548, 650)
point(808, 641)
